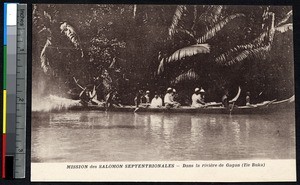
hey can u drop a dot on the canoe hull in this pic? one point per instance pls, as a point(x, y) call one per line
point(263, 109)
point(287, 105)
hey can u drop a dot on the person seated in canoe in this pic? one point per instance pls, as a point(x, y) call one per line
point(175, 95)
point(85, 97)
point(156, 101)
point(93, 95)
point(88, 94)
point(225, 101)
point(248, 99)
point(198, 98)
point(202, 96)
point(138, 98)
point(147, 97)
point(169, 99)
point(141, 100)
point(113, 100)
point(116, 100)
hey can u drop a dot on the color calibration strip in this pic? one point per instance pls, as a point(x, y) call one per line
point(4, 93)
point(9, 89)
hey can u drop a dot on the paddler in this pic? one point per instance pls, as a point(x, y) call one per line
point(113, 99)
point(138, 98)
point(202, 96)
point(93, 94)
point(142, 100)
point(147, 97)
point(175, 97)
point(169, 98)
point(116, 100)
point(248, 98)
point(87, 94)
point(84, 97)
point(225, 101)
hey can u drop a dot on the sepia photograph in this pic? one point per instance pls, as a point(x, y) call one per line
point(161, 83)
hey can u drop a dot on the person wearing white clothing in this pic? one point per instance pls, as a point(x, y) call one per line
point(147, 97)
point(156, 102)
point(169, 99)
point(198, 98)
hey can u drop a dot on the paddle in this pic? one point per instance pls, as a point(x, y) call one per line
point(76, 81)
point(234, 99)
point(237, 96)
point(220, 103)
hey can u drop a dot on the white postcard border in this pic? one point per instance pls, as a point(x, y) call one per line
point(162, 171)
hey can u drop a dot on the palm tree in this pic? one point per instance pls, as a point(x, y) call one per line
point(204, 38)
point(49, 27)
point(65, 54)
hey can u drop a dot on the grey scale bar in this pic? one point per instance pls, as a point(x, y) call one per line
point(11, 89)
point(21, 77)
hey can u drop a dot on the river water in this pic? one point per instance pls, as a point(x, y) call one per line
point(116, 136)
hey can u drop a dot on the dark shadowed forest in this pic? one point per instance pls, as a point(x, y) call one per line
point(153, 47)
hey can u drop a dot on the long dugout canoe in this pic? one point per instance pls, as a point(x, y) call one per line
point(262, 108)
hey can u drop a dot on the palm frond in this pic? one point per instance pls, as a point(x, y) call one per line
point(195, 17)
point(48, 17)
point(217, 9)
point(176, 18)
point(186, 33)
point(214, 30)
point(161, 66)
point(225, 56)
point(69, 31)
point(187, 76)
point(134, 10)
point(189, 51)
point(285, 19)
point(212, 13)
point(260, 39)
point(235, 56)
point(44, 60)
point(182, 53)
point(266, 37)
point(284, 28)
point(268, 26)
point(258, 48)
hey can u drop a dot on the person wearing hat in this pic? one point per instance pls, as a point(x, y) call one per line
point(248, 98)
point(202, 96)
point(174, 95)
point(198, 98)
point(147, 97)
point(141, 99)
point(169, 98)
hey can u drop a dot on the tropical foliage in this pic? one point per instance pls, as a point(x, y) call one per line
point(223, 40)
point(131, 47)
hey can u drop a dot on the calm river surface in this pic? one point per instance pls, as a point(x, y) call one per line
point(115, 136)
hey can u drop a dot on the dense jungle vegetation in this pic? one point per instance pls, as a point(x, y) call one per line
point(152, 47)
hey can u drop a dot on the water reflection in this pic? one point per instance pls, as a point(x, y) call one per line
point(106, 136)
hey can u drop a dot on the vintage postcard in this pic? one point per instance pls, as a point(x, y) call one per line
point(131, 92)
